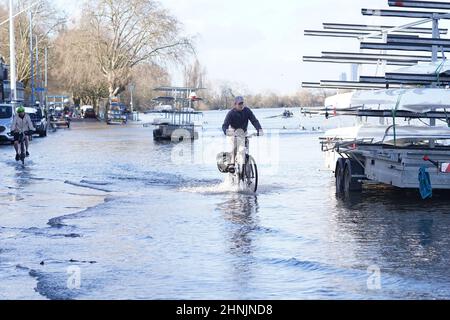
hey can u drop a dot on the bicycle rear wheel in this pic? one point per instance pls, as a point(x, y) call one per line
point(251, 174)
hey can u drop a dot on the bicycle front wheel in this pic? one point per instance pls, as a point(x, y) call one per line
point(22, 152)
point(251, 174)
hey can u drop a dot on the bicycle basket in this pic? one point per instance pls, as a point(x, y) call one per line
point(223, 161)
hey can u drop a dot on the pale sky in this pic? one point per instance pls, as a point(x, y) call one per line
point(259, 43)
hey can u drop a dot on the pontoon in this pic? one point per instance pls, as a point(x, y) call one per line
point(178, 121)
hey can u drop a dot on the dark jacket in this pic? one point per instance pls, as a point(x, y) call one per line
point(239, 120)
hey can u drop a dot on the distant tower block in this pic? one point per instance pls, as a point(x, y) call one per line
point(343, 76)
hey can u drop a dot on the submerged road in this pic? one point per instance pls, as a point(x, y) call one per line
point(101, 212)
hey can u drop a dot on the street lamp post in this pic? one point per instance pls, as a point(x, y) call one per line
point(31, 59)
point(12, 55)
point(12, 49)
point(45, 76)
point(131, 87)
point(38, 71)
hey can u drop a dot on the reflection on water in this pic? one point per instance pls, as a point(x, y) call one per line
point(23, 176)
point(195, 237)
point(398, 231)
point(14, 181)
point(241, 211)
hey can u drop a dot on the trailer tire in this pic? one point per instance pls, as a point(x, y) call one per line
point(339, 175)
point(352, 184)
point(157, 134)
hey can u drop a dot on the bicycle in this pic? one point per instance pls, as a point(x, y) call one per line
point(22, 144)
point(241, 165)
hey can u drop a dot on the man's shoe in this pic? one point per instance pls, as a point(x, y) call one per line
point(17, 157)
point(27, 154)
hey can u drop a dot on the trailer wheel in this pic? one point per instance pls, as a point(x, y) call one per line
point(352, 184)
point(157, 134)
point(339, 175)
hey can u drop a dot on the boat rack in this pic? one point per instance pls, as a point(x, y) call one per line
point(419, 4)
point(350, 85)
point(387, 153)
point(178, 124)
point(332, 144)
point(387, 39)
point(377, 28)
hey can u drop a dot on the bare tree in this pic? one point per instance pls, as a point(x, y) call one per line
point(127, 33)
point(145, 77)
point(73, 72)
point(46, 21)
point(221, 97)
point(194, 75)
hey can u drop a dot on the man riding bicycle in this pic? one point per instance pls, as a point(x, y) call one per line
point(21, 125)
point(238, 117)
point(237, 120)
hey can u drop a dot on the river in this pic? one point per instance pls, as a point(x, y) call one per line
point(104, 212)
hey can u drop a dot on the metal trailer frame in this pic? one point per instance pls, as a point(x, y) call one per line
point(180, 121)
point(357, 161)
point(397, 166)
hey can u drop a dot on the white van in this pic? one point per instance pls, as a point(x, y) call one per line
point(6, 119)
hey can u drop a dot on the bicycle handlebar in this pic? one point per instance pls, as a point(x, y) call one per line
point(233, 134)
point(27, 133)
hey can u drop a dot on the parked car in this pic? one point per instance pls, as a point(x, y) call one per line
point(39, 118)
point(85, 107)
point(6, 119)
point(90, 113)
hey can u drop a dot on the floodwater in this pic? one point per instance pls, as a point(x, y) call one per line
point(103, 212)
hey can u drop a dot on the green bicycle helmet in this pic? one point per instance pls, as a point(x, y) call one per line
point(20, 109)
